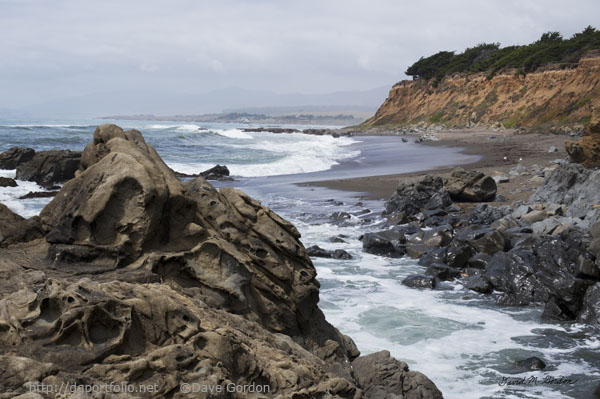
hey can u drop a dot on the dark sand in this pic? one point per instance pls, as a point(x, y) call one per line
point(491, 146)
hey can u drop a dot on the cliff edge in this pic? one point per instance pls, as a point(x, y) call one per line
point(548, 97)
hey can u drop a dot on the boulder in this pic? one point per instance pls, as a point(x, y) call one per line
point(487, 214)
point(419, 281)
point(15, 229)
point(532, 363)
point(319, 252)
point(382, 376)
point(470, 186)
point(47, 168)
point(479, 283)
point(217, 172)
point(412, 197)
point(442, 272)
point(15, 156)
point(7, 182)
point(386, 243)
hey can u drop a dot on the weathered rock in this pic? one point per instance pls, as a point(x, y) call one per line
point(412, 197)
point(492, 242)
point(386, 243)
point(15, 156)
point(470, 186)
point(39, 194)
point(479, 261)
point(383, 377)
point(15, 229)
point(419, 281)
point(47, 168)
point(217, 172)
point(487, 214)
point(7, 182)
point(189, 284)
point(534, 216)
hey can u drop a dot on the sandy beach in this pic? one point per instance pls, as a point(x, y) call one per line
point(500, 151)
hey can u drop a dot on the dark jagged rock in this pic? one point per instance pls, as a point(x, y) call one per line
point(590, 310)
point(382, 376)
point(7, 182)
point(479, 261)
point(470, 186)
point(387, 243)
point(487, 214)
point(411, 198)
point(319, 252)
point(442, 272)
point(340, 215)
point(15, 229)
point(47, 168)
point(458, 254)
point(419, 281)
point(492, 242)
point(479, 284)
point(217, 172)
point(433, 256)
point(15, 156)
point(532, 363)
point(39, 194)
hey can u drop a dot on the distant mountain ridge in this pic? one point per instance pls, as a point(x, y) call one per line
point(158, 102)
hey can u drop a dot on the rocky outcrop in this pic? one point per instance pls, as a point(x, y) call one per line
point(15, 156)
point(217, 172)
point(587, 150)
point(143, 279)
point(13, 228)
point(471, 186)
point(558, 97)
point(7, 182)
point(48, 168)
point(413, 197)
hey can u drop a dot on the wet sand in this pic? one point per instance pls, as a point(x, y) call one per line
point(498, 151)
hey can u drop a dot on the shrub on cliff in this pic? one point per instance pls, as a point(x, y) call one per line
point(551, 48)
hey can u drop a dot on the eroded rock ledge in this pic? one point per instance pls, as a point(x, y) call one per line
point(144, 280)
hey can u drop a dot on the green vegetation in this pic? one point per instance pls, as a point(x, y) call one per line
point(551, 48)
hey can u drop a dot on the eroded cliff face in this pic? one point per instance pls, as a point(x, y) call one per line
point(559, 97)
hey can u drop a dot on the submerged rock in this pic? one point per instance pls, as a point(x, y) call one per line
point(419, 281)
point(319, 252)
point(217, 172)
point(532, 363)
point(7, 182)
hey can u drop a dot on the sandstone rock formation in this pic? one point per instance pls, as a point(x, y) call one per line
point(549, 96)
point(587, 150)
point(13, 228)
point(144, 280)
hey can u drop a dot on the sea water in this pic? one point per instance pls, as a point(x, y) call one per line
point(462, 340)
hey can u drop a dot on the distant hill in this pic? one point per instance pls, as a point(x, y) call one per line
point(157, 102)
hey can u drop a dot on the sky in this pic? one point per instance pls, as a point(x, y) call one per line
point(52, 49)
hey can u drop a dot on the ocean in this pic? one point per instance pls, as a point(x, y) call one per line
point(462, 340)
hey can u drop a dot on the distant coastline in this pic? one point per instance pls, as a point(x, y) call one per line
point(316, 118)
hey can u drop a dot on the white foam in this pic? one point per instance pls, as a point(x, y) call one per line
point(9, 196)
point(234, 134)
point(188, 128)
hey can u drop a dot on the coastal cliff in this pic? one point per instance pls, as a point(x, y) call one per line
point(548, 97)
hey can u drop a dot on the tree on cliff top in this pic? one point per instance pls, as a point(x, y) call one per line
point(551, 48)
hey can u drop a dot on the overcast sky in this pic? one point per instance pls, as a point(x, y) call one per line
point(60, 48)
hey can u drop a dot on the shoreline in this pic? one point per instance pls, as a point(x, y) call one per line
point(491, 146)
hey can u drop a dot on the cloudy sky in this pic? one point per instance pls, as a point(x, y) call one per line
point(59, 48)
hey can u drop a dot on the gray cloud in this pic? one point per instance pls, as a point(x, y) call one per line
point(59, 48)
